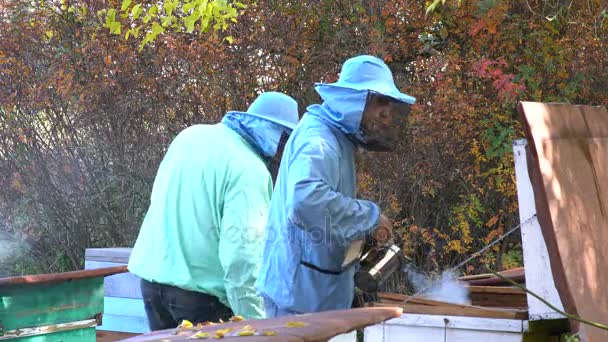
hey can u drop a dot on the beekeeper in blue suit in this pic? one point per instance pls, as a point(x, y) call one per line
point(200, 246)
point(316, 224)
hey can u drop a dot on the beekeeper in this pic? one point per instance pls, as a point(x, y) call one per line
point(316, 224)
point(199, 249)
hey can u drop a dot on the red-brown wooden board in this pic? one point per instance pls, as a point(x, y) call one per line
point(319, 326)
point(568, 166)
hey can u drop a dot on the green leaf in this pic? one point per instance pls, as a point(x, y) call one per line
point(166, 21)
point(189, 6)
point(157, 29)
point(110, 18)
point(136, 11)
point(189, 22)
point(169, 6)
point(125, 5)
point(229, 39)
point(240, 4)
point(115, 28)
point(202, 7)
point(146, 18)
point(153, 10)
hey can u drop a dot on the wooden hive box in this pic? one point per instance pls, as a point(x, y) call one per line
point(124, 306)
point(53, 307)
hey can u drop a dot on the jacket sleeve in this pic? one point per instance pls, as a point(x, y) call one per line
point(315, 203)
point(242, 240)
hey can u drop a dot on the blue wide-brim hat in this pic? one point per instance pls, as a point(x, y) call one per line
point(275, 107)
point(369, 73)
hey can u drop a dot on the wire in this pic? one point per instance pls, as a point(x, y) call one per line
point(565, 314)
point(473, 256)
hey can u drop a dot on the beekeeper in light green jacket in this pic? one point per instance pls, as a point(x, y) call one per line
point(199, 249)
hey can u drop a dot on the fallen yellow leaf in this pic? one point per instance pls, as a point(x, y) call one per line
point(236, 318)
point(220, 333)
point(295, 324)
point(245, 333)
point(204, 324)
point(185, 324)
point(269, 333)
point(200, 335)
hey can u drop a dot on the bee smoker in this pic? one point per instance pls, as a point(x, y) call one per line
point(377, 265)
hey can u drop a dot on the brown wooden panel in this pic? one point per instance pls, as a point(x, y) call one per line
point(462, 310)
point(54, 277)
point(567, 161)
point(319, 326)
point(112, 336)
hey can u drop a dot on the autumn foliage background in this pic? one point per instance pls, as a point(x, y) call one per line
point(85, 117)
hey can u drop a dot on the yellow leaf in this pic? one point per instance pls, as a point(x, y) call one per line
point(270, 333)
point(236, 318)
point(200, 325)
point(220, 333)
point(185, 324)
point(200, 335)
point(246, 333)
point(295, 324)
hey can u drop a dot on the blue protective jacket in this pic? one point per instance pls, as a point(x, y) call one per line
point(314, 215)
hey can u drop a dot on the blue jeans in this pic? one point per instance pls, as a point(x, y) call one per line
point(273, 311)
point(167, 306)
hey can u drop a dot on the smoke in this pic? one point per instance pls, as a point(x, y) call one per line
point(444, 287)
point(10, 246)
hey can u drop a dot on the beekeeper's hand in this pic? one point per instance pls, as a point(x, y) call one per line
point(384, 231)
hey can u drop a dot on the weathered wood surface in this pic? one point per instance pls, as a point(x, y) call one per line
point(517, 275)
point(319, 326)
point(112, 336)
point(57, 277)
point(568, 166)
point(397, 299)
point(536, 257)
point(116, 254)
point(459, 310)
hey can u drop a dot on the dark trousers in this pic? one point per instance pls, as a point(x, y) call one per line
point(167, 306)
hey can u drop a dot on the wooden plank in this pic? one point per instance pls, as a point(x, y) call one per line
point(567, 165)
point(517, 273)
point(39, 304)
point(23, 333)
point(126, 285)
point(320, 326)
point(399, 298)
point(127, 324)
point(58, 277)
point(499, 300)
point(76, 335)
point(463, 310)
point(112, 336)
point(118, 254)
point(496, 289)
point(536, 257)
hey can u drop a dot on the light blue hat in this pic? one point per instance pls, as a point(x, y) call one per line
point(275, 107)
point(369, 73)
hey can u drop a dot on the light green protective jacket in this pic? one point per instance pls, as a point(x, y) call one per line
point(216, 189)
